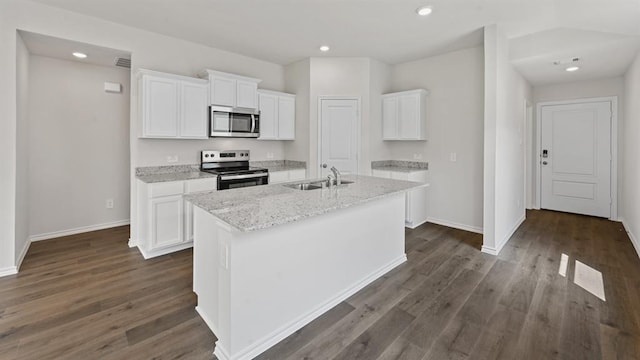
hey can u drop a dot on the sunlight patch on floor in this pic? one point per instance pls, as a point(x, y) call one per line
point(589, 279)
point(584, 276)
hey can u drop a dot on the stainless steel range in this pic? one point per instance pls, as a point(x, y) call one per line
point(232, 168)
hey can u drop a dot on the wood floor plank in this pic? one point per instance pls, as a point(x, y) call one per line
point(302, 337)
point(618, 344)
point(458, 339)
point(371, 343)
point(428, 325)
point(401, 349)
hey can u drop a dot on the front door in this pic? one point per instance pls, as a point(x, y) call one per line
point(576, 158)
point(338, 137)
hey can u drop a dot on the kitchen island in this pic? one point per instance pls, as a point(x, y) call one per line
point(270, 259)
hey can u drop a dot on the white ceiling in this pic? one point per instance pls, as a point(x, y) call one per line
point(63, 49)
point(284, 31)
point(601, 55)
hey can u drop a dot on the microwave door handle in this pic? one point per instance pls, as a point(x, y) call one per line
point(230, 123)
point(253, 123)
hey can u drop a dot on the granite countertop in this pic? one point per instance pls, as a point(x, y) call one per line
point(156, 174)
point(400, 165)
point(260, 207)
point(280, 165)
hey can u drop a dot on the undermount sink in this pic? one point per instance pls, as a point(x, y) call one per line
point(313, 185)
point(304, 186)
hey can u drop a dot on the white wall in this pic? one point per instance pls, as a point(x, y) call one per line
point(78, 145)
point(298, 81)
point(454, 125)
point(630, 183)
point(588, 89)
point(149, 50)
point(504, 166)
point(380, 83)
point(338, 77)
point(22, 151)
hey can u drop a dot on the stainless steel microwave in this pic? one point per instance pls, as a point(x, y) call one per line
point(234, 122)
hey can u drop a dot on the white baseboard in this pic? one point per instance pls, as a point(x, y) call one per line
point(634, 239)
point(132, 243)
point(495, 251)
point(83, 229)
point(455, 225)
point(11, 270)
point(148, 254)
point(23, 253)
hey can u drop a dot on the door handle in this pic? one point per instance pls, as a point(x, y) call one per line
point(324, 166)
point(544, 163)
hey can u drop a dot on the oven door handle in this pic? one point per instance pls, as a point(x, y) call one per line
point(243, 176)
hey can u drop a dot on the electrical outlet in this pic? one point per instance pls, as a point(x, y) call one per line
point(109, 203)
point(453, 157)
point(417, 156)
point(269, 155)
point(172, 159)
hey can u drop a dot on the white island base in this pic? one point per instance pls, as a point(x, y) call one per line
point(256, 288)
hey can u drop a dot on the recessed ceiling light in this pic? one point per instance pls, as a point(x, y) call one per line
point(572, 68)
point(324, 48)
point(424, 10)
point(80, 55)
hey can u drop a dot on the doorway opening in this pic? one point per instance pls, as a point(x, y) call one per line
point(73, 138)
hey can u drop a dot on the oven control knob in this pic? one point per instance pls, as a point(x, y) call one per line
point(206, 155)
point(241, 154)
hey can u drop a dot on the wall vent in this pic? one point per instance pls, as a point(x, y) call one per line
point(123, 62)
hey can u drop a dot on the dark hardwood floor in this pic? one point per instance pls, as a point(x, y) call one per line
point(89, 296)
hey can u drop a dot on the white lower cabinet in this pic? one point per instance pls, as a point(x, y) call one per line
point(276, 177)
point(166, 221)
point(416, 200)
point(165, 218)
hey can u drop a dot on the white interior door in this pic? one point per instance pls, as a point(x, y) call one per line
point(576, 158)
point(338, 135)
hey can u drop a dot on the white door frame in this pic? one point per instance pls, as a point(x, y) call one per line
point(614, 147)
point(527, 135)
point(358, 128)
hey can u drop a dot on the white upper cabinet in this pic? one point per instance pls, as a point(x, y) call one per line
point(277, 115)
point(194, 110)
point(232, 90)
point(159, 106)
point(246, 94)
point(223, 91)
point(404, 115)
point(172, 106)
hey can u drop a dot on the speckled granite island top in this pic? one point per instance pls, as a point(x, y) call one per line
point(261, 207)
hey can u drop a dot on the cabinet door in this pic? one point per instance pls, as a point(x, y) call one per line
point(286, 118)
point(246, 94)
point(409, 116)
point(166, 221)
point(223, 91)
point(268, 116)
point(159, 107)
point(194, 110)
point(390, 118)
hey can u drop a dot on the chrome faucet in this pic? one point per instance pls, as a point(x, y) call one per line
point(337, 175)
point(330, 181)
